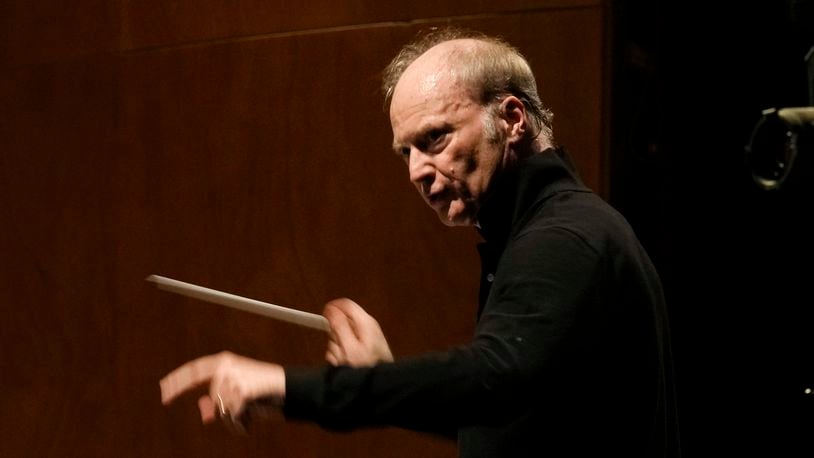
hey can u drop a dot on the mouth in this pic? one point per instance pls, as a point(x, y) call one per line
point(437, 200)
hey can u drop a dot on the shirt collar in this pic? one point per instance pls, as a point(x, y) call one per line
point(516, 190)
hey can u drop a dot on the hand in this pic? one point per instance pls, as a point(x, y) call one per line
point(356, 337)
point(234, 382)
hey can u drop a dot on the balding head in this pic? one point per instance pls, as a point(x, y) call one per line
point(486, 68)
point(439, 66)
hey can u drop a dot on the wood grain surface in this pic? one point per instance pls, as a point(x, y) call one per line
point(213, 145)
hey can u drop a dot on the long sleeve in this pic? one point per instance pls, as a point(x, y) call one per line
point(545, 278)
point(570, 355)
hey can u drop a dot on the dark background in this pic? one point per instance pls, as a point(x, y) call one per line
point(691, 79)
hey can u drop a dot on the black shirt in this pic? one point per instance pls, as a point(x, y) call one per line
point(571, 352)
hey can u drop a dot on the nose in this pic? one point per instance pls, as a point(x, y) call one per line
point(422, 170)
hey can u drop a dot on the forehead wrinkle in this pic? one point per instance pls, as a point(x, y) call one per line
point(433, 113)
point(434, 94)
point(428, 89)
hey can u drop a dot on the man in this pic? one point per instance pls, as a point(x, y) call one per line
point(571, 353)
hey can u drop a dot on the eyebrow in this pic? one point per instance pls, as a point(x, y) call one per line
point(421, 133)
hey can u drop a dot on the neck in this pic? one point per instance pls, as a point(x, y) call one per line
point(524, 149)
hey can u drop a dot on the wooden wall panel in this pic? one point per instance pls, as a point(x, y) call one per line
point(261, 167)
point(39, 31)
point(243, 174)
point(149, 24)
point(57, 144)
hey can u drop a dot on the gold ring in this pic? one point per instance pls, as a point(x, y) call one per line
point(222, 408)
point(232, 424)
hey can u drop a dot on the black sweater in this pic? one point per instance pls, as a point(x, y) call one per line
point(570, 355)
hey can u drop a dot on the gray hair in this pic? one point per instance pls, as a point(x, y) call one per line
point(492, 71)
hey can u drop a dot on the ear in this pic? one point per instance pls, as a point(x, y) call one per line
point(513, 113)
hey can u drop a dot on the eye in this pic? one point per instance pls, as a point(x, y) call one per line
point(435, 136)
point(404, 151)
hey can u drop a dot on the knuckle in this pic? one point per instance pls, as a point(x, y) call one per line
point(225, 360)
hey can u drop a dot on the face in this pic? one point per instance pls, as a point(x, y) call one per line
point(440, 131)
